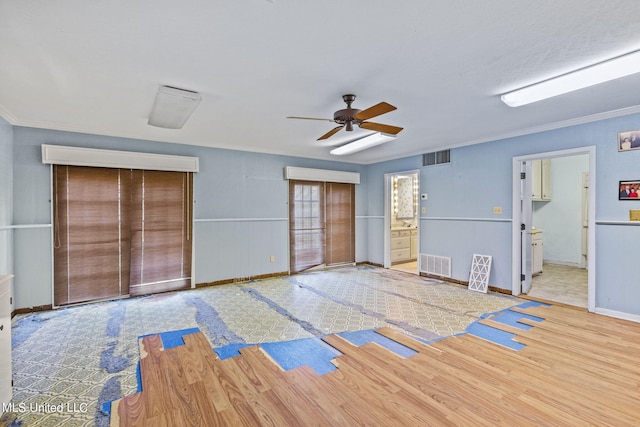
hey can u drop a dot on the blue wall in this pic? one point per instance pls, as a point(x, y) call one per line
point(459, 219)
point(561, 217)
point(241, 207)
point(241, 211)
point(6, 197)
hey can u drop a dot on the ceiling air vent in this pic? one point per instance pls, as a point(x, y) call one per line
point(436, 158)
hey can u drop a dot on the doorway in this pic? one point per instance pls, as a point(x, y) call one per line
point(553, 233)
point(402, 221)
point(322, 224)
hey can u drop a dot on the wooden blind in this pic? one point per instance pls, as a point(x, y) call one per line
point(160, 231)
point(322, 223)
point(116, 230)
point(306, 224)
point(340, 216)
point(89, 233)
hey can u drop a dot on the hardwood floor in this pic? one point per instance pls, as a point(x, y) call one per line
point(577, 369)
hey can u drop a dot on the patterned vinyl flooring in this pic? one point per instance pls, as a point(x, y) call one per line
point(567, 285)
point(69, 361)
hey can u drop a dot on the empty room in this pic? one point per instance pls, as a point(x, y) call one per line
point(268, 212)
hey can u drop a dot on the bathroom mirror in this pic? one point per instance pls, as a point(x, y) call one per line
point(404, 198)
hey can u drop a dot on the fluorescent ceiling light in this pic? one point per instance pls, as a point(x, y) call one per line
point(363, 143)
point(173, 107)
point(612, 69)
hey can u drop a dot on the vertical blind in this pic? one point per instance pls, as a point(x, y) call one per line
point(120, 232)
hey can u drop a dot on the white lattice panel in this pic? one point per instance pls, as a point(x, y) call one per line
point(480, 269)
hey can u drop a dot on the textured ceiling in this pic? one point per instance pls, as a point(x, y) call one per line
point(95, 66)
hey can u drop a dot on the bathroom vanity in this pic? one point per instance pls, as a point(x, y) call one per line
point(404, 245)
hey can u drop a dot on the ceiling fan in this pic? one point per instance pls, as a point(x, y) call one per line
point(348, 117)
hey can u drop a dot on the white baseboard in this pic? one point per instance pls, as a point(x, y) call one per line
point(563, 264)
point(618, 314)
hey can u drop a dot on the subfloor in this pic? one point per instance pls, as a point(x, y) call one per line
point(81, 357)
point(566, 285)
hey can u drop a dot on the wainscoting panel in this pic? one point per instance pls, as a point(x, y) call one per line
point(239, 248)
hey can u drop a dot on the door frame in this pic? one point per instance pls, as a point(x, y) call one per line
point(387, 215)
point(517, 219)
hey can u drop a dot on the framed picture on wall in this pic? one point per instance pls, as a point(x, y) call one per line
point(629, 140)
point(629, 190)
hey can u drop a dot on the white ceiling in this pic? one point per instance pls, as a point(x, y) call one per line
point(95, 66)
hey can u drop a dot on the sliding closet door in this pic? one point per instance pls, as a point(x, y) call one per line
point(306, 224)
point(91, 236)
point(160, 231)
point(340, 219)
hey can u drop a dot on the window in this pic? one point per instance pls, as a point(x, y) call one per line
point(322, 223)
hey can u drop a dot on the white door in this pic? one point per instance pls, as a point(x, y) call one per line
point(585, 219)
point(525, 227)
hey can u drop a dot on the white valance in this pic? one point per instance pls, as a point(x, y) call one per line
point(322, 175)
point(79, 156)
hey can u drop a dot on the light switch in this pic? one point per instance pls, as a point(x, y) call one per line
point(424, 210)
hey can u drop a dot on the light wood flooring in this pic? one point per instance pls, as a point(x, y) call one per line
point(577, 368)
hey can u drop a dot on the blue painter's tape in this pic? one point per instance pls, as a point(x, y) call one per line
point(230, 350)
point(311, 352)
point(367, 336)
point(494, 335)
point(171, 339)
point(174, 338)
point(533, 304)
point(512, 318)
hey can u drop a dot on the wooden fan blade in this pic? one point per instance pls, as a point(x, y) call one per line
point(376, 110)
point(379, 127)
point(330, 133)
point(310, 118)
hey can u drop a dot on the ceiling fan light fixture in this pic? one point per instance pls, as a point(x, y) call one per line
point(601, 72)
point(363, 143)
point(173, 107)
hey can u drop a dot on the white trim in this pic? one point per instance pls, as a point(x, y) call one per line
point(618, 314)
point(387, 215)
point(80, 156)
point(322, 175)
point(515, 225)
point(17, 227)
point(452, 218)
point(239, 219)
point(602, 222)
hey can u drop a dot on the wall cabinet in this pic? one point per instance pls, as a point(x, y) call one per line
point(541, 180)
point(404, 245)
point(536, 252)
point(5, 341)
